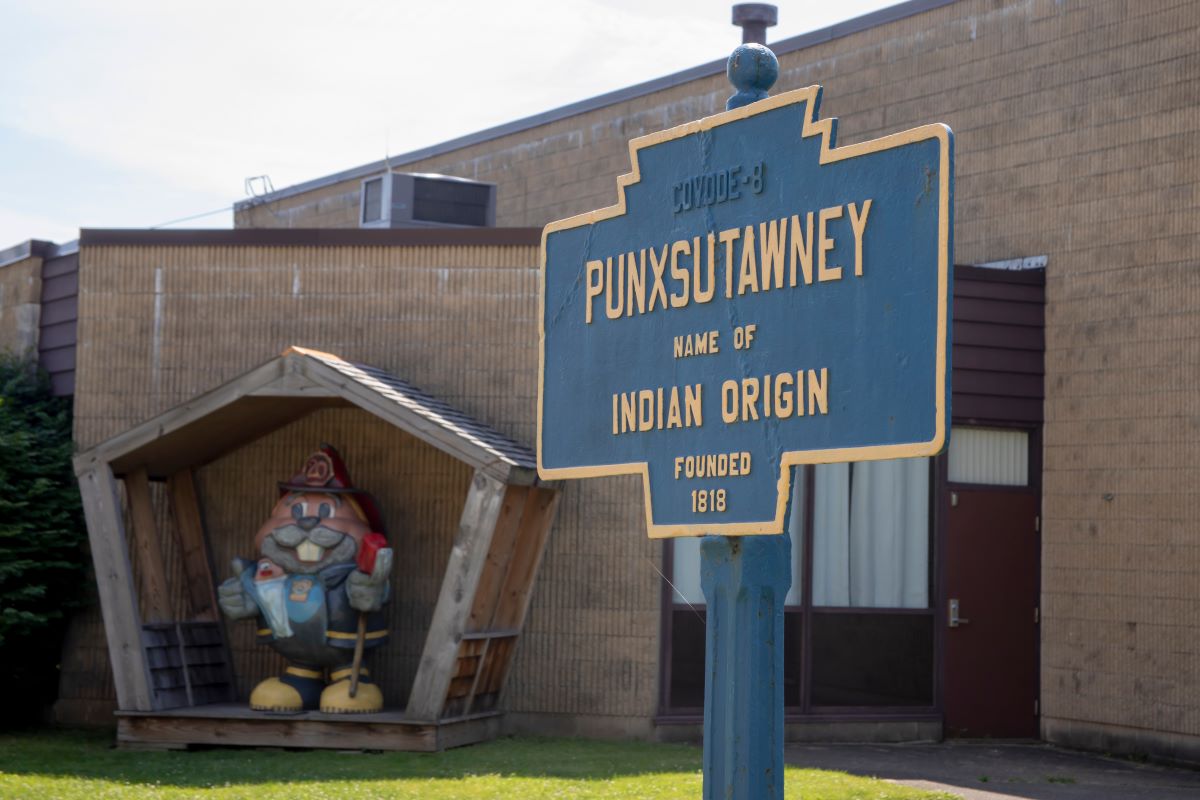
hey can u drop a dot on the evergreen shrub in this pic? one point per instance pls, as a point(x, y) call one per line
point(43, 555)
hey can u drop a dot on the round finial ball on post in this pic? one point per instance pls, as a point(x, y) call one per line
point(753, 70)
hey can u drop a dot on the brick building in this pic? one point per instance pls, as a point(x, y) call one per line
point(1068, 498)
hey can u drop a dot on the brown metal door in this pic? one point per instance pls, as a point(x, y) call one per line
point(991, 671)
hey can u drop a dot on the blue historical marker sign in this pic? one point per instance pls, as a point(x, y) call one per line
point(757, 298)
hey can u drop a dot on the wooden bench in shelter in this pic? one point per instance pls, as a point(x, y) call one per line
point(173, 677)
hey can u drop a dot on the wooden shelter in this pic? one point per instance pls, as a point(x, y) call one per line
point(173, 676)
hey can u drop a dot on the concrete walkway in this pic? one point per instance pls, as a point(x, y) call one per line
point(991, 771)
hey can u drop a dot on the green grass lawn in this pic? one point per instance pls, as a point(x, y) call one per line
point(86, 767)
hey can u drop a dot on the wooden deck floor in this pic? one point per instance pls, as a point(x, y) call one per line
point(232, 724)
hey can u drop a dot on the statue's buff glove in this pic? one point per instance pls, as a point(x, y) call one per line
point(370, 592)
point(232, 598)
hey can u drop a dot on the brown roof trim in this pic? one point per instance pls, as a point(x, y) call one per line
point(312, 237)
point(1032, 277)
point(36, 248)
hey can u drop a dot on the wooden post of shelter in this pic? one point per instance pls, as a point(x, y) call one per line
point(193, 545)
point(114, 582)
point(152, 574)
point(501, 600)
point(484, 509)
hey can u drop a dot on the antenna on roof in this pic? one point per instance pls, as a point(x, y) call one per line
point(258, 185)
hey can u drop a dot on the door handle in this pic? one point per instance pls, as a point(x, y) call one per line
point(955, 619)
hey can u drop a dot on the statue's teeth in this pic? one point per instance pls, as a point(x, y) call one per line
point(307, 551)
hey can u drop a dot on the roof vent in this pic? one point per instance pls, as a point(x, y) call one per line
point(754, 19)
point(414, 200)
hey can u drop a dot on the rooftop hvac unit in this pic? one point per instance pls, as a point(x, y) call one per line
point(411, 200)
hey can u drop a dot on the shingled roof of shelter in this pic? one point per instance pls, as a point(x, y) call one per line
point(431, 408)
point(288, 387)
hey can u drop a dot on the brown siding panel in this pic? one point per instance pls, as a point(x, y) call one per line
point(61, 335)
point(998, 359)
point(60, 286)
point(999, 346)
point(996, 383)
point(59, 360)
point(60, 310)
point(978, 309)
point(56, 311)
point(982, 410)
point(62, 384)
point(61, 266)
point(989, 334)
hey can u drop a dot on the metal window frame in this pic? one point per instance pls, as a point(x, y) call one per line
point(808, 711)
point(385, 201)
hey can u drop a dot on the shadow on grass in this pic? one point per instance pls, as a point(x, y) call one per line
point(92, 755)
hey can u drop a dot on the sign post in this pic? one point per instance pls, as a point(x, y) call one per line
point(757, 299)
point(745, 581)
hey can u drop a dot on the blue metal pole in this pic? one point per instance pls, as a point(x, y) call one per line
point(745, 581)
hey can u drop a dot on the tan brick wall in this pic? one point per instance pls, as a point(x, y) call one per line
point(1076, 127)
point(174, 321)
point(160, 324)
point(20, 306)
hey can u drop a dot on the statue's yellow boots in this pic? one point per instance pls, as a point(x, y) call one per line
point(336, 698)
point(296, 691)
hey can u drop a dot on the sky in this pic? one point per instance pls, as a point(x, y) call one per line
point(135, 114)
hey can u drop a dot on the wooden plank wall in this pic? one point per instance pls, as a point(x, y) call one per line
point(420, 493)
point(497, 610)
point(999, 346)
point(420, 489)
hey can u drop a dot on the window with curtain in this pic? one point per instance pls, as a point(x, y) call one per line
point(686, 683)
point(864, 637)
point(871, 534)
point(995, 456)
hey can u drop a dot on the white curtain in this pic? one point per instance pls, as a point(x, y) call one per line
point(871, 534)
point(685, 572)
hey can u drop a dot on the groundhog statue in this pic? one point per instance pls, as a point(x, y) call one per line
point(317, 588)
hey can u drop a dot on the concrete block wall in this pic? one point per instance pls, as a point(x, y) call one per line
point(20, 306)
point(160, 324)
point(1076, 124)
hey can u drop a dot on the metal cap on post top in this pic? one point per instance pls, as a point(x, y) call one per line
point(754, 19)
